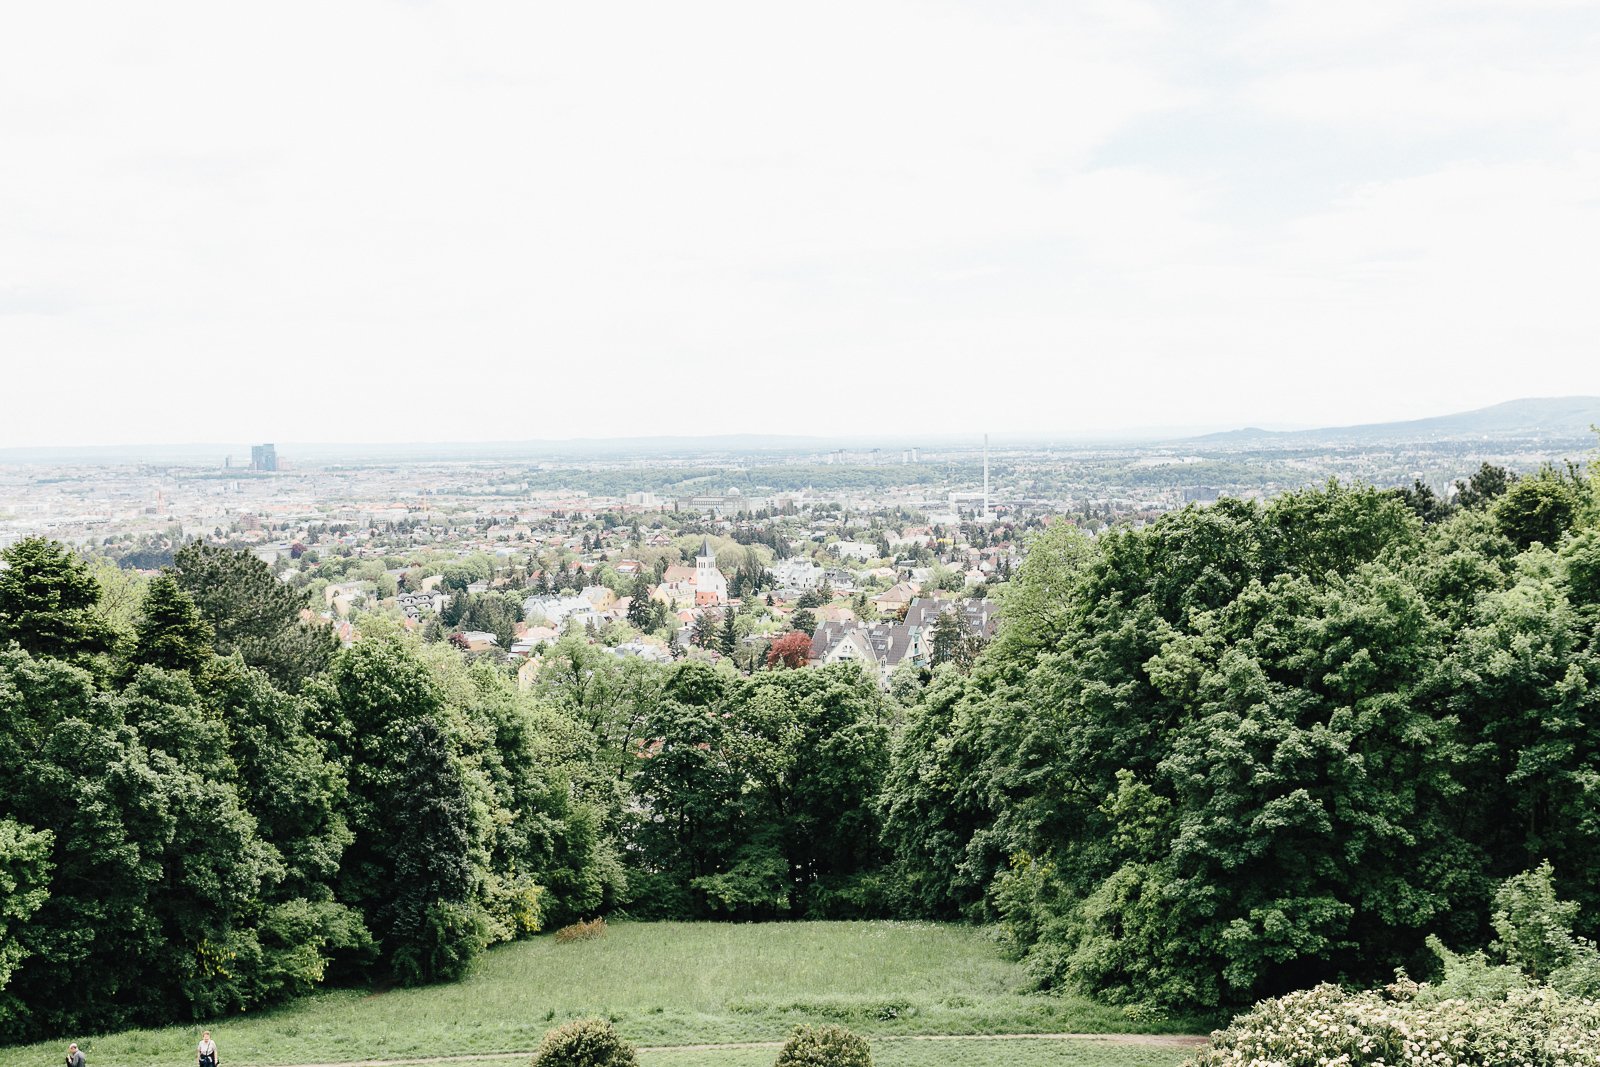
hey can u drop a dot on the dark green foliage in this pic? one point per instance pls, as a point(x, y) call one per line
point(704, 634)
point(824, 1046)
point(214, 866)
point(455, 609)
point(47, 599)
point(1541, 508)
point(585, 1043)
point(1425, 503)
point(69, 764)
point(157, 872)
point(761, 795)
point(429, 926)
point(934, 805)
point(953, 640)
point(1249, 748)
point(553, 832)
point(253, 614)
point(690, 793)
point(284, 775)
point(24, 887)
point(185, 838)
point(494, 613)
point(1482, 489)
point(379, 695)
point(640, 613)
point(1242, 749)
point(466, 829)
point(170, 632)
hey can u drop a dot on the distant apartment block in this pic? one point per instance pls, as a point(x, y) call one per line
point(415, 604)
point(263, 457)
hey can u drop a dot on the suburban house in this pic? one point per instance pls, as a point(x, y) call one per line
point(479, 640)
point(893, 602)
point(856, 550)
point(885, 645)
point(676, 588)
point(416, 604)
point(557, 610)
point(797, 573)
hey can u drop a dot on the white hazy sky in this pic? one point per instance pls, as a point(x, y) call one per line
point(486, 221)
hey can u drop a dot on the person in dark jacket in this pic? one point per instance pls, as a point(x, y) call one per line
point(74, 1057)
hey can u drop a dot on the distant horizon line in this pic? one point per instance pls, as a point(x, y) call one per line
point(750, 440)
point(757, 441)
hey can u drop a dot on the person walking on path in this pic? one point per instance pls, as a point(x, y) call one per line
point(74, 1057)
point(207, 1051)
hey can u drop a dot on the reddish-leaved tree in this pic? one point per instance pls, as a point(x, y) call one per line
point(793, 649)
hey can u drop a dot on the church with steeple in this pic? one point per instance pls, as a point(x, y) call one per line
point(710, 587)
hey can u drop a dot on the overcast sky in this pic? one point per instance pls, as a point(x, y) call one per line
point(485, 221)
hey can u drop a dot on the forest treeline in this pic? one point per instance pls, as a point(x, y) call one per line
point(1239, 750)
point(1248, 747)
point(206, 805)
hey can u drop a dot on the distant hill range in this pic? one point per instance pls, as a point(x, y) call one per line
point(1542, 418)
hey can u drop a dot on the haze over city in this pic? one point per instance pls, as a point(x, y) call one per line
point(411, 221)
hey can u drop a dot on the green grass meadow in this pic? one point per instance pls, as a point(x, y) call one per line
point(676, 984)
point(890, 1052)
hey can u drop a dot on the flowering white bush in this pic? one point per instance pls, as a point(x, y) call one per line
point(1327, 1026)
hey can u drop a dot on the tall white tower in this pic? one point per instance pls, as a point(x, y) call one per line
point(710, 587)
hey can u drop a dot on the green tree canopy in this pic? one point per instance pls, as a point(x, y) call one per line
point(48, 600)
point(252, 613)
point(170, 632)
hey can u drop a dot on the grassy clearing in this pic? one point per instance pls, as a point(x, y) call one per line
point(891, 1053)
point(667, 984)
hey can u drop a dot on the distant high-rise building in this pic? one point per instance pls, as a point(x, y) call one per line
point(263, 457)
point(986, 516)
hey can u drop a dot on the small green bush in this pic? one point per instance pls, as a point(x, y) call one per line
point(1534, 937)
point(585, 1043)
point(824, 1046)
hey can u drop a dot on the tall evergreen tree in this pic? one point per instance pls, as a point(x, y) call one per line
point(639, 614)
point(953, 640)
point(252, 613)
point(1487, 484)
point(430, 926)
point(170, 632)
point(388, 709)
point(47, 601)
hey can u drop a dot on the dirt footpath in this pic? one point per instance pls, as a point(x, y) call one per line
point(1154, 1040)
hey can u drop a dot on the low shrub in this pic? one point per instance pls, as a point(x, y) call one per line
point(585, 1043)
point(1400, 1028)
point(1534, 938)
point(824, 1046)
point(582, 931)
